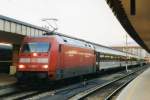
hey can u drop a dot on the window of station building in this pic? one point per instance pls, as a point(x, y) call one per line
point(18, 29)
point(40, 33)
point(32, 32)
point(24, 30)
point(43, 32)
point(36, 33)
point(13, 27)
point(1, 24)
point(28, 31)
point(7, 26)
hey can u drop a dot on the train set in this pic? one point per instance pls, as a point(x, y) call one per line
point(58, 56)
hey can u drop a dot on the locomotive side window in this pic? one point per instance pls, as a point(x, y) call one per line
point(65, 40)
point(36, 47)
point(77, 43)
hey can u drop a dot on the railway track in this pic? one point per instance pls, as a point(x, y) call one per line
point(107, 87)
point(19, 91)
point(12, 91)
point(117, 90)
point(65, 92)
point(23, 95)
point(110, 96)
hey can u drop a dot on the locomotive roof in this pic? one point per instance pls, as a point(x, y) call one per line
point(98, 47)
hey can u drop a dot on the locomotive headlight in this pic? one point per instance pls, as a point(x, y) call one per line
point(34, 54)
point(45, 66)
point(21, 66)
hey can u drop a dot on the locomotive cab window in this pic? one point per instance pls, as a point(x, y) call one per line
point(36, 47)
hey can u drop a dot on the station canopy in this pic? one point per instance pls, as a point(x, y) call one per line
point(134, 15)
point(13, 31)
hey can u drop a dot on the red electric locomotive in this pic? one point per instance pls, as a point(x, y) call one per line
point(55, 57)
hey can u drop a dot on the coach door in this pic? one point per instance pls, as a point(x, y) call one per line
point(97, 61)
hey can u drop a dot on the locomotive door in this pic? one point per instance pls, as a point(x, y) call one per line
point(61, 62)
point(97, 61)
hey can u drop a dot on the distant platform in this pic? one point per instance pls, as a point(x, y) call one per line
point(138, 89)
point(6, 79)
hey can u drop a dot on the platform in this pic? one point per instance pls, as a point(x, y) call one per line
point(138, 89)
point(6, 79)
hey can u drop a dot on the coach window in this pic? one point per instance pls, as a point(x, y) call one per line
point(110, 57)
point(132, 59)
point(107, 57)
point(102, 56)
point(117, 58)
point(121, 58)
point(114, 57)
